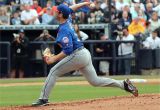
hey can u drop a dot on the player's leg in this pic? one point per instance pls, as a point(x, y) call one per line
point(64, 66)
point(90, 74)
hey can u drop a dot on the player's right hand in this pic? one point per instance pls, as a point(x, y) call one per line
point(47, 52)
point(49, 59)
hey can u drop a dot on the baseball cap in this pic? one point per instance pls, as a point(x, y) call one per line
point(64, 9)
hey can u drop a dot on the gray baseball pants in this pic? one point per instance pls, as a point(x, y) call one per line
point(78, 60)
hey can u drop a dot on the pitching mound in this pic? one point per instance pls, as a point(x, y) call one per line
point(143, 102)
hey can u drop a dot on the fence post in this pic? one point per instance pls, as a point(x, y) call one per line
point(114, 58)
point(138, 69)
point(9, 57)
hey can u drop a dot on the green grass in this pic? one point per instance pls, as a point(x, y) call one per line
point(25, 95)
point(66, 79)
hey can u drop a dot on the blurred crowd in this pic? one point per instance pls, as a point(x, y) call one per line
point(123, 12)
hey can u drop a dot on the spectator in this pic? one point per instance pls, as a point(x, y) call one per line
point(157, 8)
point(139, 3)
point(68, 2)
point(135, 10)
point(48, 18)
point(155, 21)
point(125, 50)
point(153, 41)
point(81, 35)
point(124, 21)
point(155, 2)
point(36, 7)
point(103, 50)
point(29, 16)
point(149, 10)
point(147, 31)
point(30, 2)
point(20, 54)
point(104, 5)
point(45, 36)
point(114, 15)
point(42, 3)
point(142, 15)
point(49, 5)
point(22, 8)
point(126, 8)
point(96, 14)
point(16, 20)
point(57, 2)
point(13, 5)
point(137, 26)
point(4, 18)
point(120, 4)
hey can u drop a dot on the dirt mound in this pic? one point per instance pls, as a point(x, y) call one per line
point(143, 102)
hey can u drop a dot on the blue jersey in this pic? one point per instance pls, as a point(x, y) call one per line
point(67, 37)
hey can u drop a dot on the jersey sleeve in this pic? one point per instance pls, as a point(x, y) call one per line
point(65, 40)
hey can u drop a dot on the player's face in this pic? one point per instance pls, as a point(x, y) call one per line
point(57, 15)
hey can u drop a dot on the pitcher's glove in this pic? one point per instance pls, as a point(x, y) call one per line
point(47, 54)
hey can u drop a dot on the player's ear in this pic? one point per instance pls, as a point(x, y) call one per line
point(61, 15)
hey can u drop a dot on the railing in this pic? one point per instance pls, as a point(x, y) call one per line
point(114, 58)
point(104, 27)
point(40, 27)
point(7, 57)
point(90, 44)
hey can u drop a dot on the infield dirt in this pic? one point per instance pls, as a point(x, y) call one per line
point(143, 102)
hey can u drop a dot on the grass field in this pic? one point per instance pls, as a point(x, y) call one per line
point(25, 95)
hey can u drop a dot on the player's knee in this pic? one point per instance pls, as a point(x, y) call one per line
point(52, 72)
point(94, 83)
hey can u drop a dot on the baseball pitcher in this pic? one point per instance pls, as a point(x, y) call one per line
point(74, 56)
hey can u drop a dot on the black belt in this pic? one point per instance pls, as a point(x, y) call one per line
point(80, 48)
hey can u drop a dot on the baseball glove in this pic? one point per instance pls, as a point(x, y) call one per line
point(47, 53)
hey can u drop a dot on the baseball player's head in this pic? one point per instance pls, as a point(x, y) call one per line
point(62, 12)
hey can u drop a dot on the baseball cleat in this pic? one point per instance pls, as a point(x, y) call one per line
point(41, 102)
point(128, 86)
